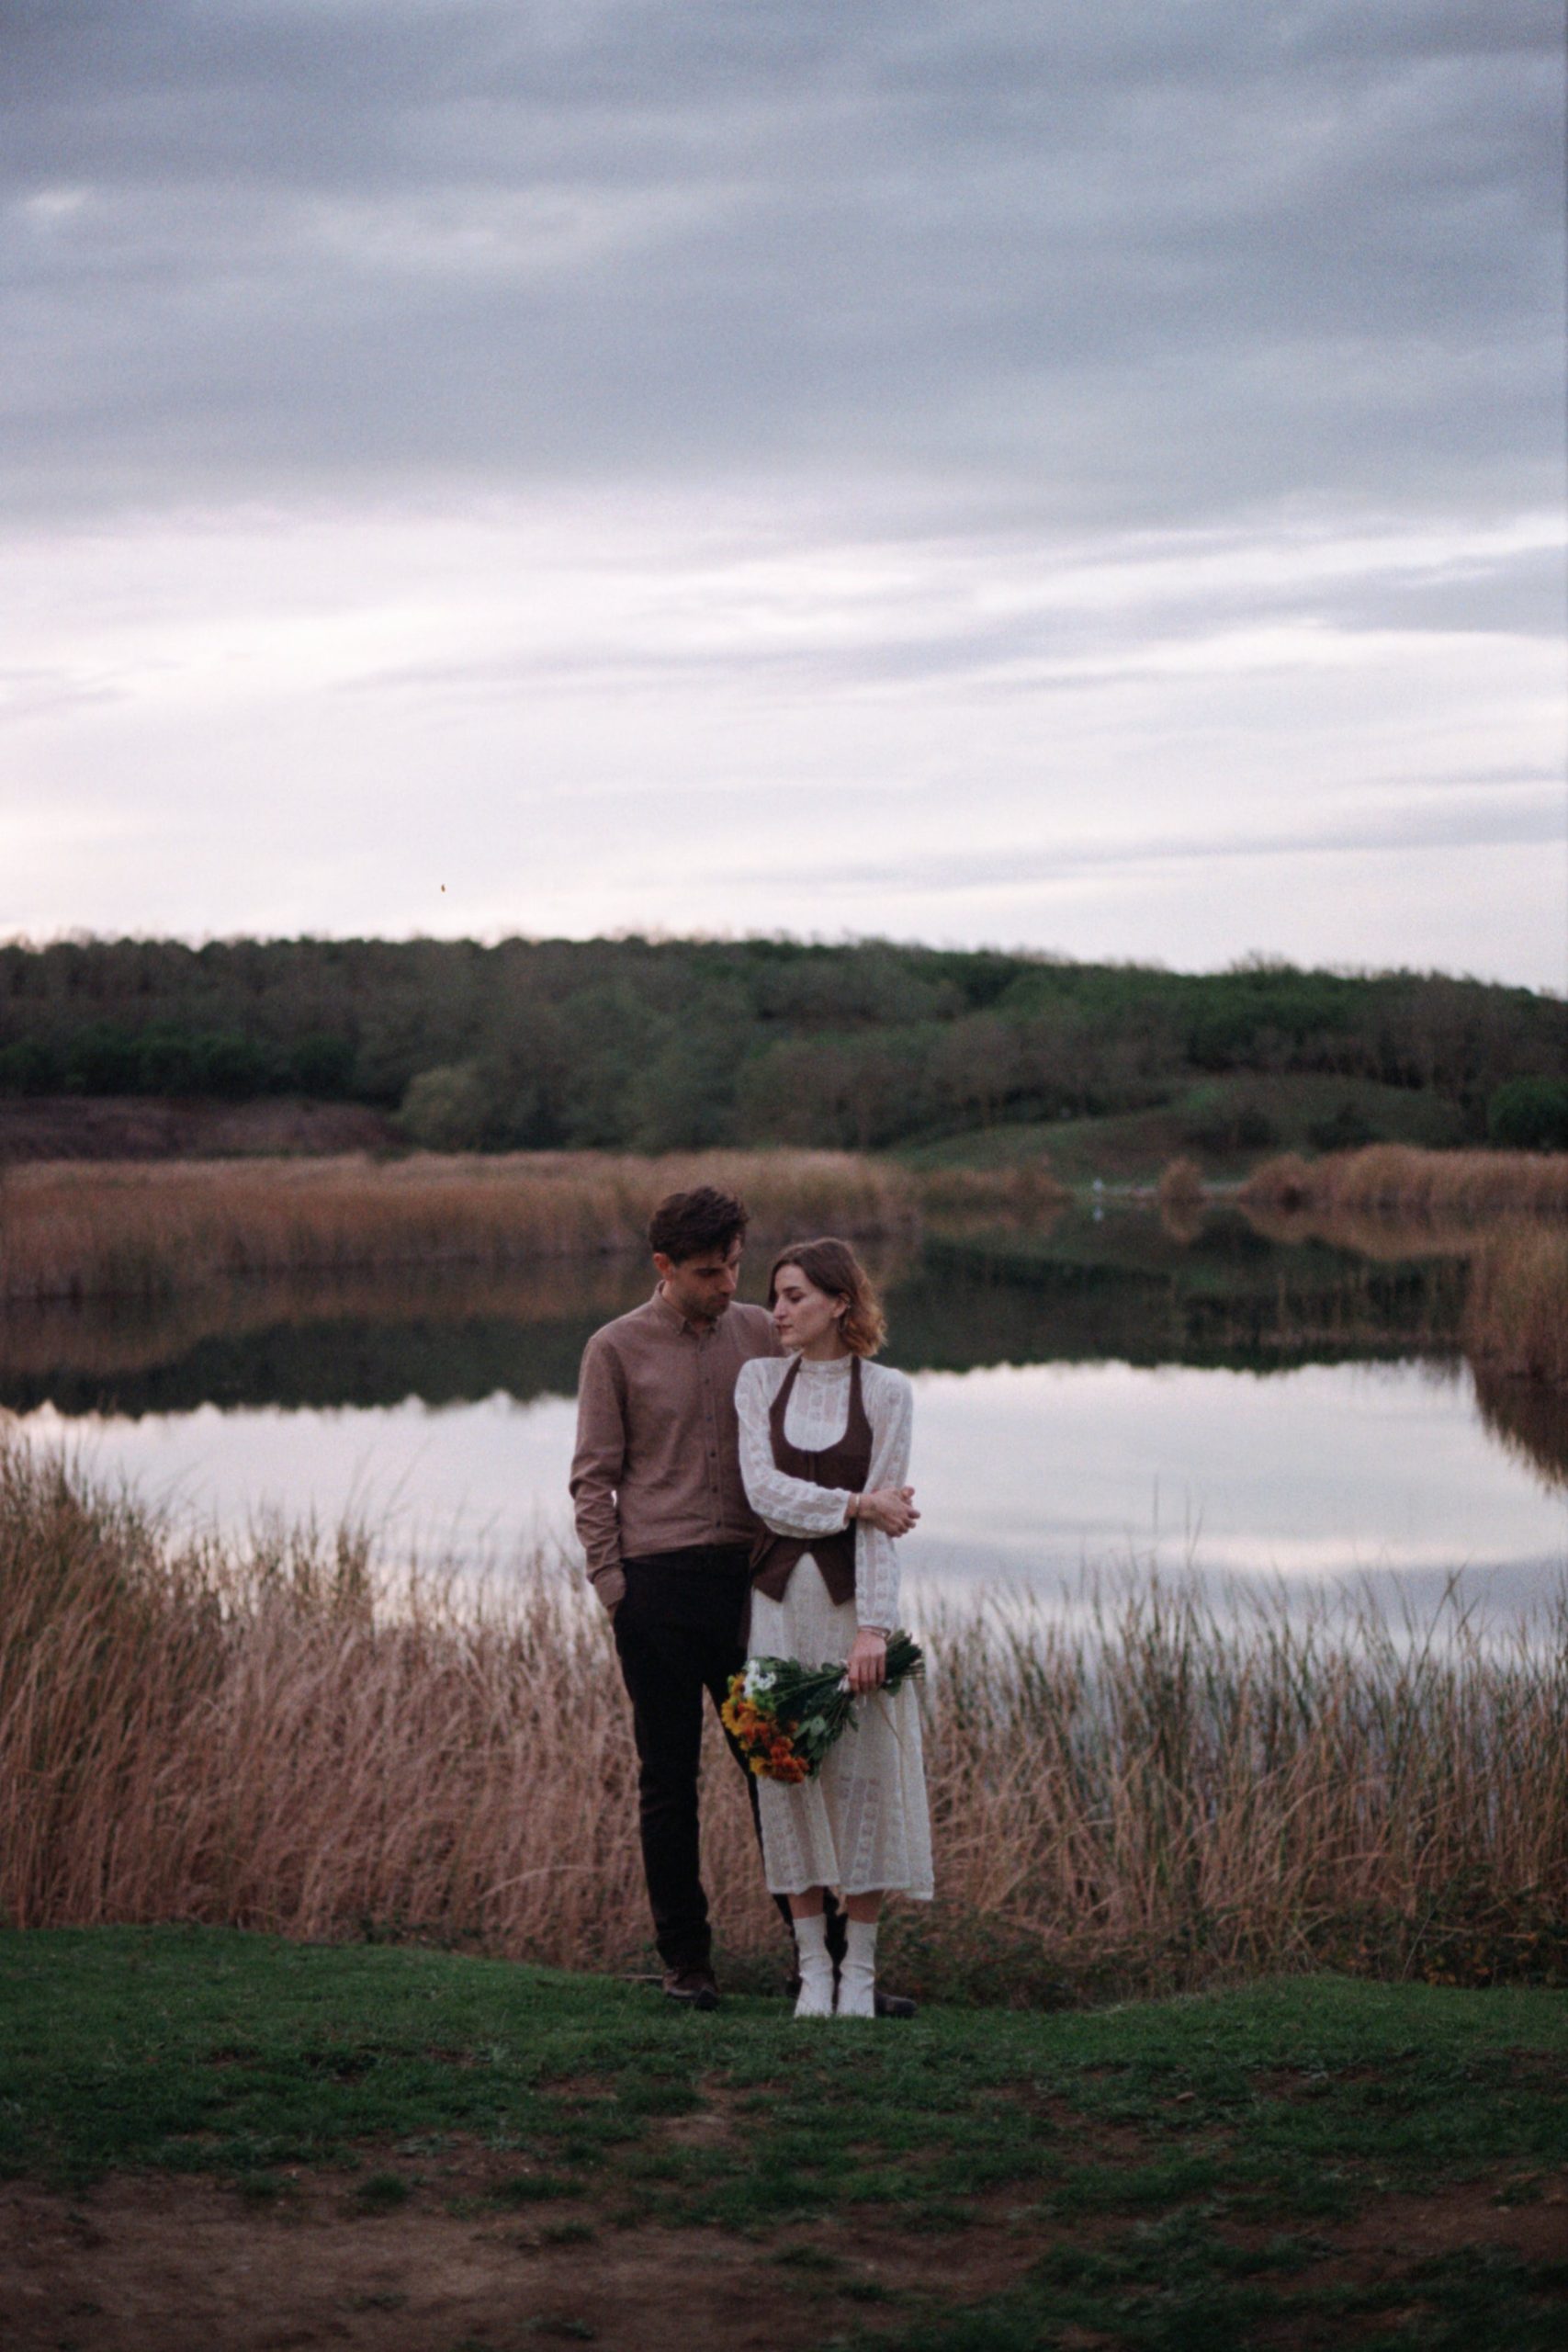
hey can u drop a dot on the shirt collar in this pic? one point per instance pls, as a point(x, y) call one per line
point(672, 1317)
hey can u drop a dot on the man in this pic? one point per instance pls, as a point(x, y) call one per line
point(667, 1531)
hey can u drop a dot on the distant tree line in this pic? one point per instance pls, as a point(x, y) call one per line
point(648, 1044)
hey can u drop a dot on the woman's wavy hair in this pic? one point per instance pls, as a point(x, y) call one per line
point(833, 1267)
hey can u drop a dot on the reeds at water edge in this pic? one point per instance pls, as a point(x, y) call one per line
point(1181, 1187)
point(1516, 1314)
point(1182, 1200)
point(1026, 1195)
point(148, 1229)
point(1401, 1180)
point(191, 1731)
point(1503, 1212)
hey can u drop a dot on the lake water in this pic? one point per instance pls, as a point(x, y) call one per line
point(1104, 1396)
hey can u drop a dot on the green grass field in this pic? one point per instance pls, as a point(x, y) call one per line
point(1299, 2163)
point(1226, 1124)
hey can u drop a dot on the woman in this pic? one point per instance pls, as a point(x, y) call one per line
point(823, 1452)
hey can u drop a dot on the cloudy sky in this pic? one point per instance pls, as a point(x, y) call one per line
point(1077, 473)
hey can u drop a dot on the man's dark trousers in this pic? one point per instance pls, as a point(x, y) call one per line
point(678, 1635)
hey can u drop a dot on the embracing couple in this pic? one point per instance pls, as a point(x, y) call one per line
point(739, 1485)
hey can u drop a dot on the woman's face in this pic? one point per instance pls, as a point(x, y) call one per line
point(803, 1315)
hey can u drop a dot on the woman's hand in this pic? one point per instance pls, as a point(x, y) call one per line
point(866, 1666)
point(890, 1507)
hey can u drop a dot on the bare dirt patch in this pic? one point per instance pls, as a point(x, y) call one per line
point(185, 2265)
point(1393, 2235)
point(1396, 2231)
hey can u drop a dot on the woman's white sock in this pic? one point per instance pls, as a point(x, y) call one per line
point(857, 1977)
point(816, 1968)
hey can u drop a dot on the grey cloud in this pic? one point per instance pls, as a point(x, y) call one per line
point(1082, 262)
point(1444, 822)
point(31, 693)
point(1524, 596)
point(1519, 595)
point(886, 660)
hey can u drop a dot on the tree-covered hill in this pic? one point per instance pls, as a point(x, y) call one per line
point(654, 1045)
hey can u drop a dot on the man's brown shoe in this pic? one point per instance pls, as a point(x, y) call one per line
point(693, 1987)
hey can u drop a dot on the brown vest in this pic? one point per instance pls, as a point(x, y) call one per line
point(846, 1462)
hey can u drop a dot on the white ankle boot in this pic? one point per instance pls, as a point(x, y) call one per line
point(816, 1968)
point(857, 1977)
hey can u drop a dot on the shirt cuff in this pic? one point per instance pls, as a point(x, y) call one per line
point(610, 1584)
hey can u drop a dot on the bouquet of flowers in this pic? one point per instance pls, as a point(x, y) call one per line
point(784, 1716)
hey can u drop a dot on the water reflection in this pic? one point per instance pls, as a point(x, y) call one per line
point(1127, 1288)
point(1132, 1288)
point(1092, 1391)
point(1531, 1422)
point(444, 1337)
point(223, 1343)
point(1326, 1470)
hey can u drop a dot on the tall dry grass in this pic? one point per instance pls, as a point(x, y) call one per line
point(1500, 1212)
point(1382, 1239)
point(109, 1336)
point(1389, 1179)
point(1529, 1420)
point(147, 1230)
point(1180, 1187)
point(1028, 1194)
point(1161, 1799)
point(1183, 1203)
point(1516, 1317)
point(189, 1733)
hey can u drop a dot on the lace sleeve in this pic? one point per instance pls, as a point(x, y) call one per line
point(890, 1406)
point(789, 1506)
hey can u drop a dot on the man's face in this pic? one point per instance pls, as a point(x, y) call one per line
point(700, 1288)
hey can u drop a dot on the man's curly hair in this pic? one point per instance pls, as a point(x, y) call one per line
point(685, 1225)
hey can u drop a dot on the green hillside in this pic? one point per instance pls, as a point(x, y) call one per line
point(649, 1045)
point(1223, 1122)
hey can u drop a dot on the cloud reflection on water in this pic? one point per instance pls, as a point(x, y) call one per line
point(1030, 1472)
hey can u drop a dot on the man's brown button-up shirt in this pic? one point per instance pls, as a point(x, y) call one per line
point(658, 1461)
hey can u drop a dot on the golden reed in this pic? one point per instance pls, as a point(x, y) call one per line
point(1516, 1314)
point(146, 1229)
point(1500, 1211)
point(1180, 1190)
point(1389, 1179)
point(200, 1732)
point(1026, 1196)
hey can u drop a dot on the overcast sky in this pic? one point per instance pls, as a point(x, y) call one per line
point(1078, 473)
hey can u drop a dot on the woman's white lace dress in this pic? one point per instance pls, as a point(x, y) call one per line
point(862, 1823)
